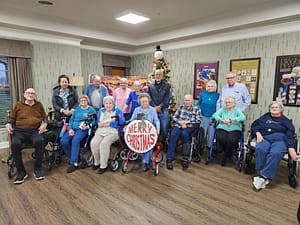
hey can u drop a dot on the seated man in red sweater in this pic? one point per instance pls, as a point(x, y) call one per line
point(28, 122)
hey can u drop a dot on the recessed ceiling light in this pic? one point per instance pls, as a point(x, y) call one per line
point(132, 18)
point(45, 2)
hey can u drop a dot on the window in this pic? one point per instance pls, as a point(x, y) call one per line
point(5, 100)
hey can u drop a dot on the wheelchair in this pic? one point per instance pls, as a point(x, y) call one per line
point(11, 166)
point(193, 151)
point(140, 141)
point(249, 154)
point(239, 154)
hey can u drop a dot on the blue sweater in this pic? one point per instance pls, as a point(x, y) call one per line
point(207, 103)
point(79, 115)
point(133, 99)
point(267, 124)
point(150, 115)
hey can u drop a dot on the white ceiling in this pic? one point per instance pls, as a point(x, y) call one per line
point(173, 23)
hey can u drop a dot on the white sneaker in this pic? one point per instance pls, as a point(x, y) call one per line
point(259, 182)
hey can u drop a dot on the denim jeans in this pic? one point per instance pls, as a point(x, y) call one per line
point(273, 147)
point(177, 132)
point(208, 129)
point(163, 117)
point(71, 144)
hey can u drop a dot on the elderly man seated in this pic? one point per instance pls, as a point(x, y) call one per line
point(28, 122)
point(186, 116)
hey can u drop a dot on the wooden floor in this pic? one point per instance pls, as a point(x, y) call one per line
point(202, 194)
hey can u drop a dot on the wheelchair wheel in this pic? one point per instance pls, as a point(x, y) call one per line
point(197, 158)
point(293, 181)
point(114, 165)
point(10, 171)
point(156, 170)
point(58, 160)
point(10, 167)
point(124, 166)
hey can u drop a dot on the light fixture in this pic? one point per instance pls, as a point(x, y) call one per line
point(45, 2)
point(132, 18)
point(76, 81)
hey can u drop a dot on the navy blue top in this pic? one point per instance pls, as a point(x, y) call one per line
point(267, 124)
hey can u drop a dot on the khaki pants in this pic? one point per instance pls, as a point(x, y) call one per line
point(100, 146)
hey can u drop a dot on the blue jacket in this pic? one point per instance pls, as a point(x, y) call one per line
point(102, 91)
point(120, 120)
point(267, 124)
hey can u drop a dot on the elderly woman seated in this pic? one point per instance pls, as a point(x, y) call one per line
point(70, 142)
point(147, 112)
point(229, 129)
point(275, 137)
point(108, 119)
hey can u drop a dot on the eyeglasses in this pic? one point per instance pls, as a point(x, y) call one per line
point(83, 100)
point(230, 78)
point(123, 83)
point(228, 102)
point(29, 93)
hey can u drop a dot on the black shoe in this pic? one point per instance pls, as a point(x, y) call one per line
point(102, 170)
point(38, 175)
point(169, 164)
point(223, 161)
point(95, 167)
point(72, 168)
point(21, 177)
point(185, 163)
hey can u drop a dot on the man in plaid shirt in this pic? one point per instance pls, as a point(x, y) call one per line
point(186, 116)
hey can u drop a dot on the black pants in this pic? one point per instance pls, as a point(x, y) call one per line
point(228, 141)
point(27, 137)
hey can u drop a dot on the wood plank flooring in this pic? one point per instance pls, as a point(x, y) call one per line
point(202, 194)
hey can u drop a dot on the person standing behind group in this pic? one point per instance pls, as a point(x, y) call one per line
point(159, 92)
point(70, 142)
point(96, 92)
point(64, 99)
point(207, 103)
point(237, 90)
point(229, 128)
point(133, 97)
point(121, 95)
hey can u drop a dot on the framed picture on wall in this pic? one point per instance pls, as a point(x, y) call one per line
point(203, 73)
point(287, 80)
point(247, 72)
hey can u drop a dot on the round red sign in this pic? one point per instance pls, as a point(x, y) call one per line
point(140, 136)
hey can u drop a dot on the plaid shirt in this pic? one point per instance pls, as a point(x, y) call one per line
point(183, 113)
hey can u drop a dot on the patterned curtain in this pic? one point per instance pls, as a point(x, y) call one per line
point(20, 77)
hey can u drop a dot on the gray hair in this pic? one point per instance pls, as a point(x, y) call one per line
point(212, 82)
point(109, 98)
point(143, 95)
point(83, 96)
point(277, 103)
